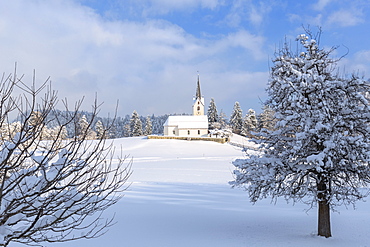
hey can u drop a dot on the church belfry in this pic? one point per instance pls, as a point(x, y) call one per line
point(189, 126)
point(198, 105)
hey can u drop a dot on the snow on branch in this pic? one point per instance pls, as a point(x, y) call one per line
point(53, 190)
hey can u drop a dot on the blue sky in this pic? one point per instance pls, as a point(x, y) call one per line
point(147, 53)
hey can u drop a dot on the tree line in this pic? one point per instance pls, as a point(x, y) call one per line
point(96, 126)
point(243, 125)
point(137, 125)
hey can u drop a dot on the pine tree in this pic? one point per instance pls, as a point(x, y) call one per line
point(63, 133)
point(321, 148)
point(136, 125)
point(15, 128)
point(100, 131)
point(148, 126)
point(266, 120)
point(84, 130)
point(222, 120)
point(126, 130)
point(250, 123)
point(212, 112)
point(236, 119)
point(157, 124)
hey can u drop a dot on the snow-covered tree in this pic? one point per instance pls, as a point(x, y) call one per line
point(222, 120)
point(148, 126)
point(61, 132)
point(84, 129)
point(250, 123)
point(266, 119)
point(136, 125)
point(14, 128)
point(212, 112)
point(83, 125)
point(320, 152)
point(56, 192)
point(101, 132)
point(127, 130)
point(221, 133)
point(236, 119)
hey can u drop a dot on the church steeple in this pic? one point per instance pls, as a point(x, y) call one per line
point(198, 106)
point(198, 94)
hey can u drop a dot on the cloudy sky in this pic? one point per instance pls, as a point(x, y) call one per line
point(147, 53)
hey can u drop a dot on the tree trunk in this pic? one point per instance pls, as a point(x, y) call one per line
point(324, 228)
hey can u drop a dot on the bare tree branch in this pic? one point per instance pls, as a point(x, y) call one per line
point(53, 190)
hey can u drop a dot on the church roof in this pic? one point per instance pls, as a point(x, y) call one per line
point(188, 122)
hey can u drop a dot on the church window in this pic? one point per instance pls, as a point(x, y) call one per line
point(198, 108)
point(198, 132)
point(174, 132)
point(188, 132)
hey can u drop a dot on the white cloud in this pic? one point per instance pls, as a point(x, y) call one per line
point(358, 63)
point(247, 10)
point(345, 18)
point(321, 4)
point(161, 7)
point(150, 67)
point(185, 3)
point(247, 41)
point(255, 16)
point(363, 56)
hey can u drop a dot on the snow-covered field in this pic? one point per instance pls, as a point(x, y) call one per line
point(180, 197)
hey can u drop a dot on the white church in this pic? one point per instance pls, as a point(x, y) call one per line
point(189, 126)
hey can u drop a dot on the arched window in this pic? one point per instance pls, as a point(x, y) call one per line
point(198, 108)
point(188, 132)
point(198, 132)
point(174, 132)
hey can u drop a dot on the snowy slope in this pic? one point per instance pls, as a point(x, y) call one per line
point(180, 197)
point(242, 141)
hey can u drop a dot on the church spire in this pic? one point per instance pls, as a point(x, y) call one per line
point(198, 95)
point(198, 106)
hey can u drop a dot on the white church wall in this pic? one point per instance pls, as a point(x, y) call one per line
point(193, 132)
point(171, 131)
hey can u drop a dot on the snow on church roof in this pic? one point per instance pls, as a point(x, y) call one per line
point(188, 122)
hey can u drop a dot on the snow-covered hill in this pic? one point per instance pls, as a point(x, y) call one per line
point(180, 197)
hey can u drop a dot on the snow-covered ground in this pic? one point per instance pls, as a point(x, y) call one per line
point(180, 197)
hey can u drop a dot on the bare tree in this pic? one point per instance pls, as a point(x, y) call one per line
point(53, 190)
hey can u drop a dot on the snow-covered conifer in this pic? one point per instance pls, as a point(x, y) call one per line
point(158, 124)
point(63, 134)
point(148, 126)
point(266, 119)
point(136, 125)
point(222, 120)
point(100, 131)
point(236, 119)
point(127, 130)
point(320, 152)
point(84, 129)
point(250, 123)
point(212, 112)
point(14, 128)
